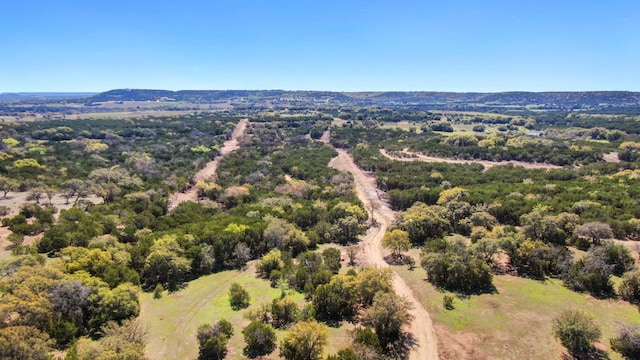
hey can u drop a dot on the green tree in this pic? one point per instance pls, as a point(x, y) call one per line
point(284, 311)
point(270, 262)
point(7, 185)
point(454, 268)
point(238, 297)
point(387, 315)
point(167, 268)
point(75, 188)
point(331, 257)
point(370, 281)
point(423, 222)
point(336, 300)
point(304, 341)
point(577, 331)
point(618, 256)
point(213, 340)
point(260, 339)
point(398, 241)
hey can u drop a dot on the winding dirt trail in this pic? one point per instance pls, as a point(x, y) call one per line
point(412, 156)
point(426, 346)
point(209, 171)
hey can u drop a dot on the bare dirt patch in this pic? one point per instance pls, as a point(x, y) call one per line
point(611, 157)
point(209, 171)
point(412, 156)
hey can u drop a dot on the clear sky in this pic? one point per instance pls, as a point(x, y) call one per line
point(342, 45)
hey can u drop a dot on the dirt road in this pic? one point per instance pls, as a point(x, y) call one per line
point(209, 171)
point(411, 156)
point(426, 347)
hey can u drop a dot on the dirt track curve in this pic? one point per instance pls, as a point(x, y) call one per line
point(412, 156)
point(426, 346)
point(209, 171)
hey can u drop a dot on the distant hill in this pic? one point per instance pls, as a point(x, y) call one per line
point(550, 100)
point(39, 96)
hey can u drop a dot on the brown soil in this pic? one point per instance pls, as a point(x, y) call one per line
point(411, 156)
point(426, 346)
point(209, 171)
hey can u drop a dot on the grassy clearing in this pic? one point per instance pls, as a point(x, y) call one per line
point(404, 125)
point(174, 319)
point(516, 322)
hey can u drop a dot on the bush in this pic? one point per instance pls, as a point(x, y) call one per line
point(577, 331)
point(4, 210)
point(627, 342)
point(270, 262)
point(478, 128)
point(157, 292)
point(591, 273)
point(344, 354)
point(629, 289)
point(367, 337)
point(260, 339)
point(618, 256)
point(213, 340)
point(238, 297)
point(410, 262)
point(447, 302)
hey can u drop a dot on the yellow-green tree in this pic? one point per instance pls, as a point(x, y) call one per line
point(304, 341)
point(397, 240)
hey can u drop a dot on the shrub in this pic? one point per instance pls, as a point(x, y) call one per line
point(367, 337)
point(627, 342)
point(344, 354)
point(157, 292)
point(577, 331)
point(260, 339)
point(629, 288)
point(4, 210)
point(591, 273)
point(447, 302)
point(238, 297)
point(213, 340)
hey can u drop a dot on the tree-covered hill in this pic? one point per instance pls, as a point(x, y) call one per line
point(547, 100)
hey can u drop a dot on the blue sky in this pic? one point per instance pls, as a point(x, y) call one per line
point(345, 45)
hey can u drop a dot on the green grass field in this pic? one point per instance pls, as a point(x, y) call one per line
point(173, 320)
point(516, 322)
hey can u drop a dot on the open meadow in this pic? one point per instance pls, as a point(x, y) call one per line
point(173, 320)
point(516, 321)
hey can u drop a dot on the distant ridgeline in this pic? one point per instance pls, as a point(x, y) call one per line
point(427, 99)
point(588, 100)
